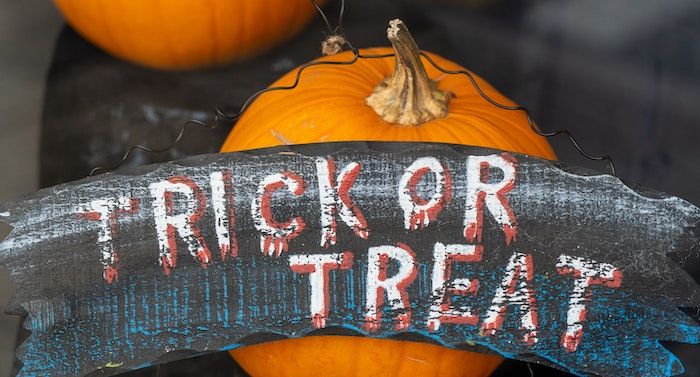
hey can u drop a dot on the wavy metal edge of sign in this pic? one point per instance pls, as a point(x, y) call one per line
point(462, 246)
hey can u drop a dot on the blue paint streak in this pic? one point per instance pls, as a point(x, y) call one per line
point(156, 304)
point(224, 278)
point(295, 302)
point(207, 295)
point(147, 311)
point(266, 288)
point(253, 306)
point(241, 292)
point(284, 297)
point(350, 286)
point(132, 295)
point(641, 353)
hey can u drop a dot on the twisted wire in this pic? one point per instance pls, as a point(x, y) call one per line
point(220, 115)
point(530, 121)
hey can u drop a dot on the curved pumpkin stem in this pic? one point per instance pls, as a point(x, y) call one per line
point(408, 96)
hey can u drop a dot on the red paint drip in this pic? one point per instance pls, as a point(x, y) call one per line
point(92, 216)
point(111, 274)
point(474, 230)
point(272, 245)
point(530, 338)
point(373, 324)
point(571, 341)
point(510, 232)
point(421, 218)
point(318, 321)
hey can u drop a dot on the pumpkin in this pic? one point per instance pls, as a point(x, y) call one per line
point(186, 34)
point(402, 99)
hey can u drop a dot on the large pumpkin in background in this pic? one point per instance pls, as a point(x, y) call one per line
point(403, 99)
point(186, 34)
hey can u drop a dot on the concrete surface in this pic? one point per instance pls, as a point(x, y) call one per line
point(27, 32)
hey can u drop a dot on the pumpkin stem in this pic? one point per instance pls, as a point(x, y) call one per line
point(408, 96)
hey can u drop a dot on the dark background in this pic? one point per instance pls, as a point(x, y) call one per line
point(623, 77)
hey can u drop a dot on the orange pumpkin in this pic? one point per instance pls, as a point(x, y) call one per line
point(186, 34)
point(377, 100)
point(330, 104)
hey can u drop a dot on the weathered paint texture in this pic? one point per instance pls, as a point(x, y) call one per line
point(462, 246)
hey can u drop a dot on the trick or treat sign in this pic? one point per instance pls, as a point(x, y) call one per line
point(460, 246)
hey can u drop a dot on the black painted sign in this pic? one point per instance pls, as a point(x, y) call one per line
point(466, 247)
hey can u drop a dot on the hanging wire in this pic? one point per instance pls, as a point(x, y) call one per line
point(340, 17)
point(530, 122)
point(323, 15)
point(529, 368)
point(220, 115)
point(338, 30)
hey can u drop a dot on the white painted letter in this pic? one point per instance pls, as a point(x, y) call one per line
point(105, 211)
point(275, 236)
point(169, 224)
point(395, 287)
point(441, 311)
point(224, 214)
point(587, 272)
point(334, 194)
point(516, 289)
point(480, 192)
point(318, 266)
point(419, 212)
